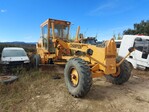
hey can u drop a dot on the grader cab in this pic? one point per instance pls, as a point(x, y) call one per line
point(46, 48)
point(83, 61)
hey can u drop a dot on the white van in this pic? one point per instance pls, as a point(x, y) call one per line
point(14, 56)
point(140, 57)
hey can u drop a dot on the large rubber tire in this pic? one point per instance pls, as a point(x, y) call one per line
point(84, 77)
point(37, 60)
point(125, 73)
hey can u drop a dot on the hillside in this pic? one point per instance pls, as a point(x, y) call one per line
point(29, 47)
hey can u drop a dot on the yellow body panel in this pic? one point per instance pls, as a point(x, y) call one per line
point(102, 60)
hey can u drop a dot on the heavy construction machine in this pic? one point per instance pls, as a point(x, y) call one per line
point(83, 61)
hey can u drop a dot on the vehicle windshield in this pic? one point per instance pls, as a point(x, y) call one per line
point(13, 53)
point(61, 31)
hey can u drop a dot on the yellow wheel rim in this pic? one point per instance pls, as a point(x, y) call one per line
point(117, 72)
point(74, 77)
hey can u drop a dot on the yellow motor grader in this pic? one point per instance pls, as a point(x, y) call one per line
point(83, 61)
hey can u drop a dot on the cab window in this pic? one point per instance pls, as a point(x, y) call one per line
point(61, 31)
point(142, 45)
point(45, 31)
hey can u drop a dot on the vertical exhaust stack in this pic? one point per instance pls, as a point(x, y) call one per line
point(77, 34)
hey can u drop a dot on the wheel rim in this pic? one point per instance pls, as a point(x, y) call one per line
point(74, 77)
point(117, 72)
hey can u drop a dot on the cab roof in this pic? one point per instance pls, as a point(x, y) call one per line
point(55, 21)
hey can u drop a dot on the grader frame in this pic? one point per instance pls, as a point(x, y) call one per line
point(54, 48)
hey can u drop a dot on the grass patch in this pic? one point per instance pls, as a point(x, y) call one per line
point(30, 85)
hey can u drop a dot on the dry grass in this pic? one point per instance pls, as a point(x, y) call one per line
point(31, 84)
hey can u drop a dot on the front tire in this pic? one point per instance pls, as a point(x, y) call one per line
point(77, 77)
point(123, 76)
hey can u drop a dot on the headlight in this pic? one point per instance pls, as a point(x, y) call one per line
point(26, 61)
point(5, 62)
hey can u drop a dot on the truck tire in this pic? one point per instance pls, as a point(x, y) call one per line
point(37, 60)
point(77, 77)
point(125, 73)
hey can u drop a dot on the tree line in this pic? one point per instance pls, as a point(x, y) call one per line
point(141, 28)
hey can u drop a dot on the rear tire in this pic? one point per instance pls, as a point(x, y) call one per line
point(125, 73)
point(37, 60)
point(81, 86)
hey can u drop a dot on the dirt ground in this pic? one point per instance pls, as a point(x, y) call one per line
point(133, 96)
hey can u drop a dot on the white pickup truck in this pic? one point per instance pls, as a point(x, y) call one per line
point(140, 57)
